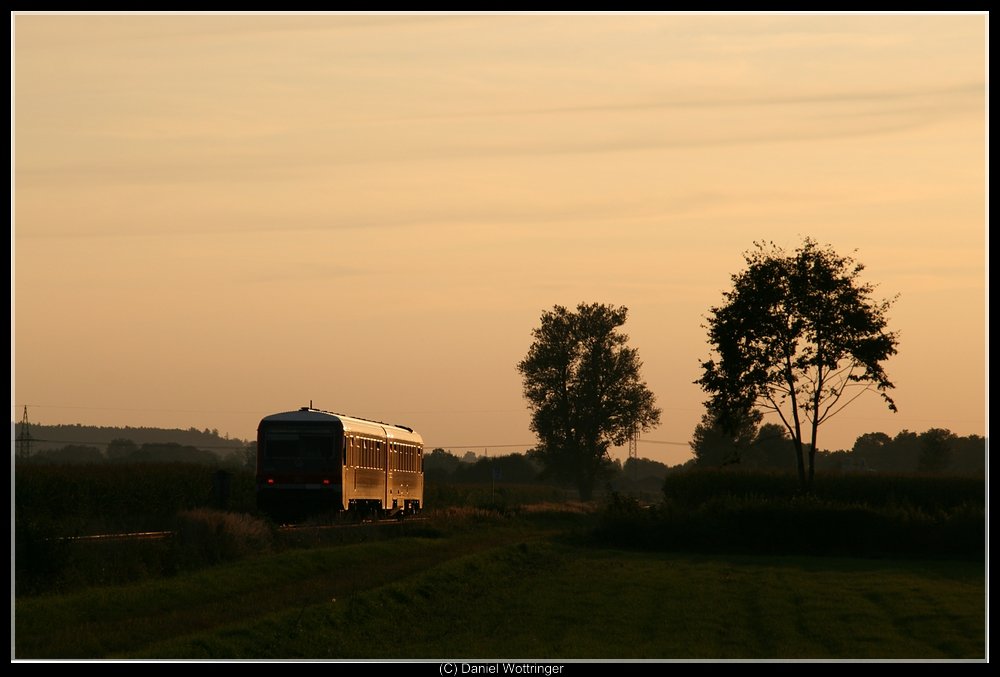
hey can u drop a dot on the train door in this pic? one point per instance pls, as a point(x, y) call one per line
point(387, 484)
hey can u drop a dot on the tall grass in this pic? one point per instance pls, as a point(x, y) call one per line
point(75, 500)
point(47, 563)
point(204, 536)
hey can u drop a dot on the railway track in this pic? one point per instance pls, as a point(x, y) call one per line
point(162, 535)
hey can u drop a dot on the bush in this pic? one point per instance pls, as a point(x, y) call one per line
point(931, 494)
point(205, 536)
point(763, 513)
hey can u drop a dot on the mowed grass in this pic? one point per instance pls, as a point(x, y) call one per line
point(504, 592)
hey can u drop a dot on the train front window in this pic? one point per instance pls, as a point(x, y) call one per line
point(299, 443)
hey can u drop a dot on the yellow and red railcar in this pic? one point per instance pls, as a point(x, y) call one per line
point(311, 460)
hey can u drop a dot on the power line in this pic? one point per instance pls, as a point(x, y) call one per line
point(478, 446)
point(91, 443)
point(533, 444)
point(138, 409)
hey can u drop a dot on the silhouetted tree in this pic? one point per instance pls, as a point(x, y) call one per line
point(71, 454)
point(510, 468)
point(172, 453)
point(121, 448)
point(798, 335)
point(772, 448)
point(872, 451)
point(516, 468)
point(904, 452)
point(936, 450)
point(248, 455)
point(583, 386)
point(969, 454)
point(440, 465)
point(715, 445)
point(644, 468)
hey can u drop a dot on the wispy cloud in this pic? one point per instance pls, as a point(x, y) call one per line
point(961, 95)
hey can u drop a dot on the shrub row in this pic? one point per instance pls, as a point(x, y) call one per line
point(921, 492)
point(809, 525)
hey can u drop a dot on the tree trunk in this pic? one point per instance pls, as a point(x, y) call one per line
point(586, 476)
point(800, 463)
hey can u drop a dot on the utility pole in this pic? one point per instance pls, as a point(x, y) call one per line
point(24, 436)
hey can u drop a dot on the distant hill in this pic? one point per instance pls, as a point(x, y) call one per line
point(45, 437)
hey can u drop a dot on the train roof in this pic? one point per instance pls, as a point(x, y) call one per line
point(350, 423)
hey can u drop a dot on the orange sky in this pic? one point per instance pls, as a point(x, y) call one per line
point(220, 217)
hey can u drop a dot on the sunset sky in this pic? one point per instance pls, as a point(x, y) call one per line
point(217, 218)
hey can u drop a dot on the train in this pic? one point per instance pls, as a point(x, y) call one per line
point(313, 461)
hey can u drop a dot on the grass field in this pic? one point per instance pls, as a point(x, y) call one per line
point(493, 588)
